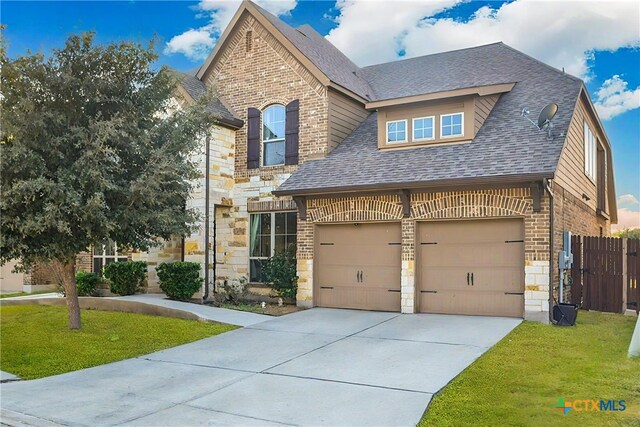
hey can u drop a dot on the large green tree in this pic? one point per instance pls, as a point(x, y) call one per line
point(92, 148)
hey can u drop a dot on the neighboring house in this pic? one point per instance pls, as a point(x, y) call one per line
point(412, 186)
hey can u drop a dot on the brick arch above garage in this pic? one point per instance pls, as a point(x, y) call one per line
point(471, 204)
point(355, 209)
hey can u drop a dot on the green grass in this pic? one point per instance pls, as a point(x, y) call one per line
point(519, 381)
point(36, 343)
point(22, 294)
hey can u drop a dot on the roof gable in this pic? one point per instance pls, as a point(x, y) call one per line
point(323, 60)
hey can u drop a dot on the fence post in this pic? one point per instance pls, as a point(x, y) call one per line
point(625, 277)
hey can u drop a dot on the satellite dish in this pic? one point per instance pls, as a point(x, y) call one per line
point(546, 115)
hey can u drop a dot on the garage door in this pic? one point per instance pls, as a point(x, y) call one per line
point(472, 267)
point(358, 266)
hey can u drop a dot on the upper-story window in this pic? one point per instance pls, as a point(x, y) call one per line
point(273, 125)
point(589, 152)
point(423, 128)
point(397, 131)
point(451, 125)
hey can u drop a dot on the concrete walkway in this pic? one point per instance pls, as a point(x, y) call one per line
point(35, 296)
point(6, 376)
point(205, 312)
point(314, 367)
point(202, 312)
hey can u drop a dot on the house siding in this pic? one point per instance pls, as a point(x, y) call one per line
point(345, 115)
point(483, 107)
point(570, 174)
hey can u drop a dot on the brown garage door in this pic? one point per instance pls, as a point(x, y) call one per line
point(358, 266)
point(472, 267)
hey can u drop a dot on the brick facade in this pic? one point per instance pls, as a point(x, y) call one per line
point(580, 218)
point(490, 203)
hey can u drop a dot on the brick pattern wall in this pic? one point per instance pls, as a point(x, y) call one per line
point(271, 205)
point(266, 75)
point(580, 218)
point(369, 208)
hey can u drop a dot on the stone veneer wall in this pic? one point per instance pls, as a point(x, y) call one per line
point(514, 202)
point(221, 182)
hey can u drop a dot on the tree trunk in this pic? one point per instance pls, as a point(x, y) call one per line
point(67, 275)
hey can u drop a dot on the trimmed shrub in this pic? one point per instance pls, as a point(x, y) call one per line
point(280, 271)
point(86, 283)
point(126, 277)
point(179, 280)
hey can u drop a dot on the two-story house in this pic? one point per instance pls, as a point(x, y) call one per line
point(413, 186)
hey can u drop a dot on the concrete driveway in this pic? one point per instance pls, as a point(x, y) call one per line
point(315, 367)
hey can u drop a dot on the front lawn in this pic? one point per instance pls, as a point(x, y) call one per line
point(36, 342)
point(519, 381)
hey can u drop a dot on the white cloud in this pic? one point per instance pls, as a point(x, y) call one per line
point(628, 199)
point(561, 33)
point(194, 44)
point(197, 43)
point(371, 32)
point(627, 219)
point(613, 98)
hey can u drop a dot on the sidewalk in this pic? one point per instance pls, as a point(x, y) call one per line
point(206, 312)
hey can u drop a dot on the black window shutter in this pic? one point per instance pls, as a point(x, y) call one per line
point(253, 138)
point(291, 133)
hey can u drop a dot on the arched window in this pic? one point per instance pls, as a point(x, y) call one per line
point(273, 124)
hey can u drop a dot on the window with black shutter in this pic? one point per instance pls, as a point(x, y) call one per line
point(291, 133)
point(253, 138)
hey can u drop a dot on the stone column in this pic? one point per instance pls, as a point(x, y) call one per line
point(407, 278)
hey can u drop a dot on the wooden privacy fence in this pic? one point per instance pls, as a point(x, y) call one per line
point(605, 273)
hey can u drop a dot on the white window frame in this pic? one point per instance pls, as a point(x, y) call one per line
point(433, 128)
point(104, 257)
point(406, 131)
point(263, 140)
point(272, 237)
point(442, 116)
point(590, 152)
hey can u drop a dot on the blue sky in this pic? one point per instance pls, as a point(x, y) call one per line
point(606, 55)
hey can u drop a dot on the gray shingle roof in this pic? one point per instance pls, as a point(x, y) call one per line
point(478, 66)
point(506, 145)
point(329, 59)
point(196, 88)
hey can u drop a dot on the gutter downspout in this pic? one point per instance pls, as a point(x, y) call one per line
point(545, 182)
point(206, 220)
